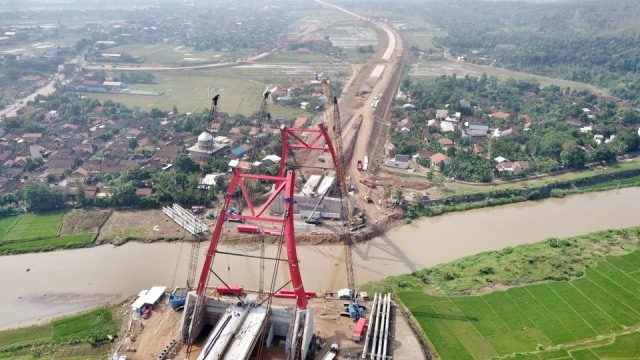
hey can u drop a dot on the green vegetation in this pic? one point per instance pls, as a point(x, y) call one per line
point(582, 301)
point(466, 197)
point(90, 330)
point(539, 125)
point(38, 232)
point(560, 39)
point(191, 91)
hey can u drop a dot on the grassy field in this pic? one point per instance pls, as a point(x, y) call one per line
point(421, 37)
point(288, 56)
point(593, 314)
point(37, 232)
point(79, 337)
point(442, 67)
point(191, 90)
point(164, 54)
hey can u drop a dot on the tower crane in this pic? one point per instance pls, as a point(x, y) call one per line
point(333, 114)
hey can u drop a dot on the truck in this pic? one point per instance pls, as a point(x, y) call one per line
point(365, 163)
point(359, 165)
point(358, 330)
point(333, 352)
point(368, 182)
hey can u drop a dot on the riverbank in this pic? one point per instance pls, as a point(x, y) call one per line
point(91, 227)
point(616, 176)
point(569, 298)
point(553, 259)
point(87, 335)
point(124, 270)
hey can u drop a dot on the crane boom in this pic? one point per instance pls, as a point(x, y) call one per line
point(336, 133)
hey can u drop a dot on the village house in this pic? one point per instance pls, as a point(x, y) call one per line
point(438, 158)
point(399, 162)
point(445, 143)
point(512, 168)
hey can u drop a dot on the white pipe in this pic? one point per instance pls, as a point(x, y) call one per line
point(386, 328)
point(380, 337)
point(375, 333)
point(369, 326)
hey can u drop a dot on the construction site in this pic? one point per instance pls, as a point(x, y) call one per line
point(324, 181)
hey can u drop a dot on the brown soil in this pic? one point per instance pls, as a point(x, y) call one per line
point(145, 339)
point(83, 221)
point(153, 225)
point(143, 226)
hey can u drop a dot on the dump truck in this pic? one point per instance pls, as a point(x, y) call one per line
point(368, 182)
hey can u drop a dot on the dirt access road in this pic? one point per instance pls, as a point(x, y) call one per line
point(146, 338)
point(372, 132)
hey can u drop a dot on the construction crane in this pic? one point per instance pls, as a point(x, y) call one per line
point(333, 114)
point(178, 298)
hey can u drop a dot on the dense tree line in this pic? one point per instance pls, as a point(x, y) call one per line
point(588, 41)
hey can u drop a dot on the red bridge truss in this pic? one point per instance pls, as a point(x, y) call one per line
point(317, 139)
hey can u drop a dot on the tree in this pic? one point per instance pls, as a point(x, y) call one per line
point(133, 144)
point(124, 195)
point(506, 148)
point(387, 191)
point(40, 197)
point(629, 139)
point(185, 164)
point(605, 153)
point(572, 155)
point(80, 196)
point(398, 194)
point(156, 113)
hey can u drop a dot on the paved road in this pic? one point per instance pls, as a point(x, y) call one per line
point(46, 90)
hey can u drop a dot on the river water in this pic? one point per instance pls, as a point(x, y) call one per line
point(39, 286)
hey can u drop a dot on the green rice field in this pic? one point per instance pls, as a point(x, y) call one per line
point(37, 232)
point(596, 316)
point(81, 336)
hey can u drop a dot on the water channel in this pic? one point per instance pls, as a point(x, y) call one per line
point(39, 286)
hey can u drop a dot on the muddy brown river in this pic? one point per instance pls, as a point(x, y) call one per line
point(40, 286)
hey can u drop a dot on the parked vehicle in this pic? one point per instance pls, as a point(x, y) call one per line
point(314, 220)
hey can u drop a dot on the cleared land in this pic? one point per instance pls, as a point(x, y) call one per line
point(38, 232)
point(594, 316)
point(163, 54)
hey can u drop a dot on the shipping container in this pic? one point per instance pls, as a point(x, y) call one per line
point(358, 331)
point(230, 290)
point(273, 232)
point(252, 229)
